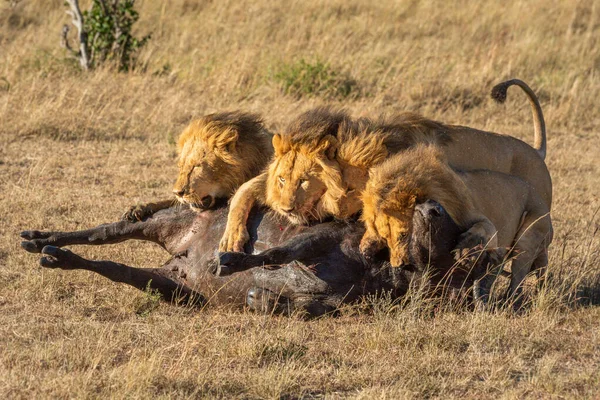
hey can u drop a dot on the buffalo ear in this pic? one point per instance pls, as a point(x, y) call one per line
point(327, 146)
point(412, 200)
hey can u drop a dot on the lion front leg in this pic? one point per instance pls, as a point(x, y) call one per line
point(481, 233)
point(236, 234)
point(485, 266)
point(139, 212)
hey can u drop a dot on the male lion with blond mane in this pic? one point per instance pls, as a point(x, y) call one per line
point(322, 160)
point(217, 153)
point(504, 210)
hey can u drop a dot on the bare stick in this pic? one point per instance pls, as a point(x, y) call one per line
point(77, 20)
point(64, 41)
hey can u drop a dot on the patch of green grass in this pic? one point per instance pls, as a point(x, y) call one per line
point(148, 301)
point(305, 79)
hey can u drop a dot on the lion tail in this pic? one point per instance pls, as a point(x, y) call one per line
point(499, 95)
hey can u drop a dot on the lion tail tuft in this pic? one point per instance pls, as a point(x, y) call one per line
point(499, 92)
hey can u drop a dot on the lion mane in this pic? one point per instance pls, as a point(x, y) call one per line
point(418, 175)
point(336, 141)
point(237, 138)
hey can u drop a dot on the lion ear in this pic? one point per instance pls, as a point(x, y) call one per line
point(184, 137)
point(280, 145)
point(327, 146)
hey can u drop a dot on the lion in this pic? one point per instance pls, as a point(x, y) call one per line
point(502, 209)
point(322, 161)
point(217, 153)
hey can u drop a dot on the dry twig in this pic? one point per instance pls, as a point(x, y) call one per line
point(77, 20)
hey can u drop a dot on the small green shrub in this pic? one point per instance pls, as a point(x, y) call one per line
point(303, 78)
point(109, 26)
point(147, 302)
point(105, 33)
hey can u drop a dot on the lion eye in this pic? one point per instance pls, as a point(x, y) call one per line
point(350, 191)
point(303, 182)
point(403, 236)
point(281, 180)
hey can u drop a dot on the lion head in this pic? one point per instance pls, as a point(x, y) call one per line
point(217, 153)
point(393, 190)
point(322, 160)
point(304, 180)
point(388, 221)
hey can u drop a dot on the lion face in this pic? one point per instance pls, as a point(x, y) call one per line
point(217, 154)
point(295, 188)
point(203, 178)
point(389, 226)
point(299, 180)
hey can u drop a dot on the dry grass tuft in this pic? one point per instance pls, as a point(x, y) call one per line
point(77, 149)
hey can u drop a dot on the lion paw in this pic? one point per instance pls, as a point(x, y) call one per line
point(369, 247)
point(466, 242)
point(234, 240)
point(137, 213)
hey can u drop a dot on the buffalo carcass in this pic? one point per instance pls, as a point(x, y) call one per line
point(310, 269)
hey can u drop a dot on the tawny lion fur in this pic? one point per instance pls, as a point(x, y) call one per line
point(501, 209)
point(217, 153)
point(322, 161)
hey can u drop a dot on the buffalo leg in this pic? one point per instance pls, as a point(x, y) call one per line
point(103, 234)
point(163, 280)
point(295, 250)
point(162, 228)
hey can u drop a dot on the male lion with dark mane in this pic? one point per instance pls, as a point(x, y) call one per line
point(322, 161)
point(217, 153)
point(504, 209)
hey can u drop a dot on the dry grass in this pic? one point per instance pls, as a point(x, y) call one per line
point(77, 149)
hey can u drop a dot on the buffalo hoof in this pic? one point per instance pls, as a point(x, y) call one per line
point(29, 235)
point(55, 257)
point(231, 262)
point(36, 240)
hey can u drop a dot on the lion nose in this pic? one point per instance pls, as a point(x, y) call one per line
point(179, 192)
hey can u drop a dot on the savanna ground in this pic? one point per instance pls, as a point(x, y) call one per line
point(76, 149)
